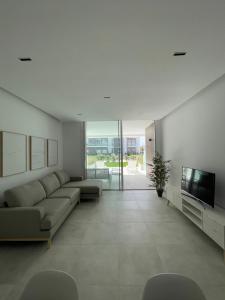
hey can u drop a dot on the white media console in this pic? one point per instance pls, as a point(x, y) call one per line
point(210, 220)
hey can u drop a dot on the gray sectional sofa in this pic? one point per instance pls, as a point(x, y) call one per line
point(89, 188)
point(34, 211)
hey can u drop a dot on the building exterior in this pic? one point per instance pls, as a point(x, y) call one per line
point(109, 145)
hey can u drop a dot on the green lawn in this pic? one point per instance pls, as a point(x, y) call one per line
point(111, 164)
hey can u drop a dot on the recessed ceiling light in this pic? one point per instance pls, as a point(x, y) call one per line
point(107, 97)
point(25, 59)
point(179, 53)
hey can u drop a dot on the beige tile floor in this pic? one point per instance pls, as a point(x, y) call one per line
point(114, 245)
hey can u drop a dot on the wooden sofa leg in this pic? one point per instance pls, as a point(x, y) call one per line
point(49, 243)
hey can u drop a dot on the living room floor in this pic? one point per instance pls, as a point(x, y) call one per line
point(112, 246)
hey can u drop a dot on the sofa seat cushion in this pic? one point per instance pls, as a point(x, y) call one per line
point(50, 183)
point(25, 195)
point(62, 176)
point(54, 208)
point(72, 194)
point(88, 186)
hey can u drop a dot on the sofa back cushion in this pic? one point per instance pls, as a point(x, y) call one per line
point(50, 183)
point(25, 195)
point(62, 176)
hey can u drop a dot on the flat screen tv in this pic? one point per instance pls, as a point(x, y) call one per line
point(199, 185)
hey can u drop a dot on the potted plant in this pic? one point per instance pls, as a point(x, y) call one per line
point(160, 173)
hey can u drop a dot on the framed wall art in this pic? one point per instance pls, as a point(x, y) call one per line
point(13, 153)
point(52, 157)
point(37, 153)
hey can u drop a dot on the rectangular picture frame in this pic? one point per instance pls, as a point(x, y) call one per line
point(52, 150)
point(13, 153)
point(37, 152)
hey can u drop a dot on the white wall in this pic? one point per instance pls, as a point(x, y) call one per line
point(18, 116)
point(150, 142)
point(194, 135)
point(73, 148)
point(158, 139)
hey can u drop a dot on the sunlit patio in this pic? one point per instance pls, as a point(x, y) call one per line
point(134, 174)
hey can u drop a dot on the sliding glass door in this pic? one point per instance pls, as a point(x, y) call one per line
point(103, 153)
point(138, 151)
point(119, 153)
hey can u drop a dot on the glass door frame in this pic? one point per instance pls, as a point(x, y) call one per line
point(120, 154)
point(120, 135)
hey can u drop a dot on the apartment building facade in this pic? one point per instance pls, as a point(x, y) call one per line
point(110, 145)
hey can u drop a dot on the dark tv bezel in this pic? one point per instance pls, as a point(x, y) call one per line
point(183, 192)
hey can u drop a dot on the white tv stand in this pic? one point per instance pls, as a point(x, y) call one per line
point(210, 220)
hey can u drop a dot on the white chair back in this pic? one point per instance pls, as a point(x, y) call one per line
point(172, 287)
point(50, 285)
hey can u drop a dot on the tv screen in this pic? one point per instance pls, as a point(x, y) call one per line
point(198, 184)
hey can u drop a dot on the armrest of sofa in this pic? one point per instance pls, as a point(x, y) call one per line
point(20, 221)
point(76, 178)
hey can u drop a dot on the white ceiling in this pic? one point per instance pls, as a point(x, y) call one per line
point(83, 50)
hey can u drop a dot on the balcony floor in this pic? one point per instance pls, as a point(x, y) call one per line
point(131, 182)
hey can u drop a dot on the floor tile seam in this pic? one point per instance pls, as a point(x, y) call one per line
point(118, 221)
point(117, 243)
point(160, 222)
point(131, 285)
point(99, 285)
point(95, 222)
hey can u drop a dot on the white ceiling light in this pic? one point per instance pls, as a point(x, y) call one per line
point(179, 53)
point(25, 59)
